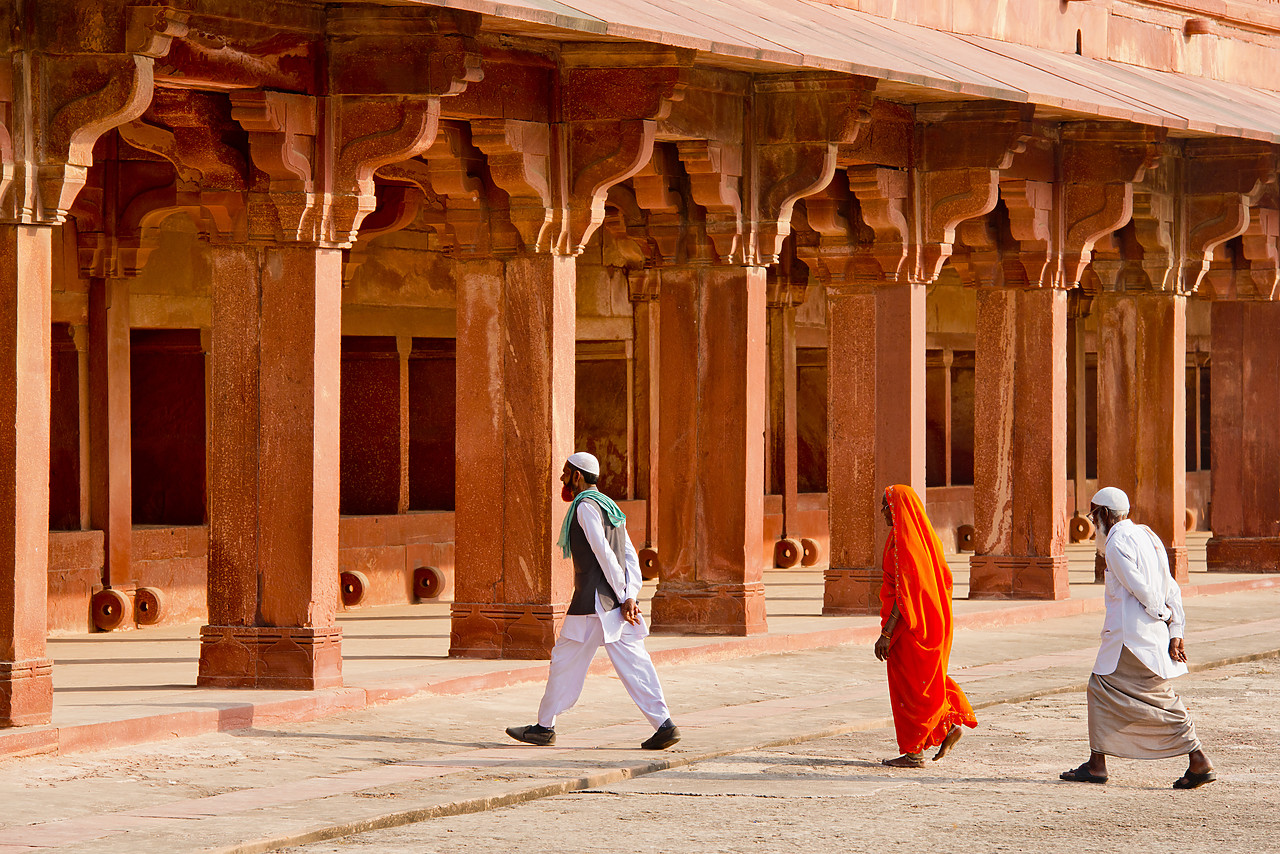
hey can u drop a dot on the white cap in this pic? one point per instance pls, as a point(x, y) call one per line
point(585, 462)
point(1112, 498)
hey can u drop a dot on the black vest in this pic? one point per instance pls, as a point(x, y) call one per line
point(588, 577)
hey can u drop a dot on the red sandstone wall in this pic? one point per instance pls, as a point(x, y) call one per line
point(1241, 46)
point(388, 548)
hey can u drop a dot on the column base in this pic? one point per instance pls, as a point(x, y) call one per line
point(851, 591)
point(710, 609)
point(285, 658)
point(26, 692)
point(1179, 565)
point(485, 630)
point(1018, 577)
point(1243, 554)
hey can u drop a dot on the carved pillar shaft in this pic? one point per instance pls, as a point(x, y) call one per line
point(712, 424)
point(110, 418)
point(1077, 430)
point(1020, 446)
point(404, 346)
point(783, 471)
point(26, 672)
point(1142, 353)
point(876, 430)
point(647, 391)
point(80, 335)
point(273, 491)
point(1246, 445)
point(515, 429)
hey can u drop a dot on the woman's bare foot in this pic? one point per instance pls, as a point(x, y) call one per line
point(947, 743)
point(906, 760)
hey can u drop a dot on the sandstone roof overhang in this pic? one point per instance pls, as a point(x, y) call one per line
point(914, 64)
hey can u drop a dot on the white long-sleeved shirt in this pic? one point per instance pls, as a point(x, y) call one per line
point(625, 579)
point(1144, 603)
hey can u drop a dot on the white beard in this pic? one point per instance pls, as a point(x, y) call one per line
point(1100, 540)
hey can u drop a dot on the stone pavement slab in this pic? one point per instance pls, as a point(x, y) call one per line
point(430, 756)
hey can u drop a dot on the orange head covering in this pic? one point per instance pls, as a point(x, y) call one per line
point(921, 578)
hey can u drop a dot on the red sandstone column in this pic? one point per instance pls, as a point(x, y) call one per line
point(1142, 405)
point(80, 335)
point(1245, 412)
point(1020, 446)
point(646, 411)
point(875, 429)
point(404, 346)
point(110, 422)
point(783, 471)
point(273, 490)
point(26, 672)
point(711, 468)
point(516, 324)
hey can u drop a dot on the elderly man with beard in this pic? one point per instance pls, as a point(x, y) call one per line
point(1133, 710)
point(604, 610)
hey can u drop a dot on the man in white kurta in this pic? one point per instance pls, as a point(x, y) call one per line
point(604, 611)
point(1133, 711)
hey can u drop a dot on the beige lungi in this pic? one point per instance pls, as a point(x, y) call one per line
point(1134, 714)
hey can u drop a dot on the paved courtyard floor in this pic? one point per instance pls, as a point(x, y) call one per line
point(998, 792)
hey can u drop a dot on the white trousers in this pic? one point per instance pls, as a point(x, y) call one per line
point(571, 658)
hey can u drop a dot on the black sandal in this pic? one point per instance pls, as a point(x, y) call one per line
point(1191, 780)
point(1083, 775)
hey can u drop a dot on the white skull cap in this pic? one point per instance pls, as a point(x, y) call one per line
point(585, 462)
point(1113, 498)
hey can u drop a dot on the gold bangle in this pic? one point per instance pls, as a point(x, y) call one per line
point(886, 634)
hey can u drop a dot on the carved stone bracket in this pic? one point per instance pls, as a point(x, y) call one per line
point(1030, 206)
point(519, 159)
point(1155, 201)
point(715, 175)
point(1224, 181)
point(799, 123)
point(963, 149)
point(300, 195)
point(611, 101)
point(1100, 163)
point(64, 98)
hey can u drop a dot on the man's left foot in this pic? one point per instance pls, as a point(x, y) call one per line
point(665, 736)
point(1192, 780)
point(947, 743)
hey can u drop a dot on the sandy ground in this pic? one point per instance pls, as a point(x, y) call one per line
point(998, 792)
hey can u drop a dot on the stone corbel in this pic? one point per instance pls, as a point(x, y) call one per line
point(1155, 201)
point(799, 122)
point(882, 200)
point(948, 198)
point(627, 243)
point(963, 149)
point(76, 98)
point(714, 169)
point(1030, 206)
point(519, 158)
point(670, 225)
point(368, 132)
point(1100, 163)
point(1261, 243)
point(186, 128)
point(1212, 220)
point(611, 101)
point(1225, 179)
point(283, 129)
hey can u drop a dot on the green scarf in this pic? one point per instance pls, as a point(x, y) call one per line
point(611, 510)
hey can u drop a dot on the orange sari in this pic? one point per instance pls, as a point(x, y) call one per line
point(926, 702)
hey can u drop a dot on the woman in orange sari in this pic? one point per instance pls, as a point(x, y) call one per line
point(915, 634)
